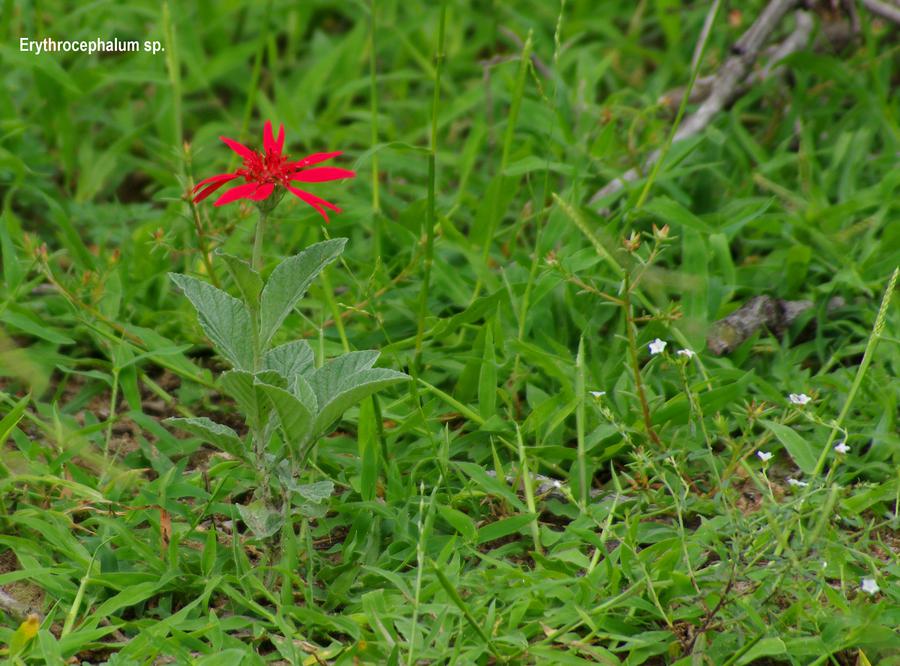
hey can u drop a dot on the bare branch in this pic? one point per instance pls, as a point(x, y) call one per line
point(726, 85)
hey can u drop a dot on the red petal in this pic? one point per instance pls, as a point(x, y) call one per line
point(240, 149)
point(314, 201)
point(235, 193)
point(220, 178)
point(268, 141)
point(279, 143)
point(262, 192)
point(322, 174)
point(209, 190)
point(309, 160)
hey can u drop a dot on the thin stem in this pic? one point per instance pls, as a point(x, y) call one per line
point(373, 112)
point(201, 242)
point(430, 214)
point(579, 426)
point(527, 483)
point(632, 348)
point(258, 240)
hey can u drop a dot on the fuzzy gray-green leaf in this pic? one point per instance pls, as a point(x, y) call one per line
point(224, 319)
point(289, 281)
point(217, 434)
point(354, 388)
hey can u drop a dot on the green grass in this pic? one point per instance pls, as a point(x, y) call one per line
point(476, 265)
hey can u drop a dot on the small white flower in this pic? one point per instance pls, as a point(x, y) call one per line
point(841, 447)
point(799, 398)
point(598, 394)
point(824, 564)
point(797, 483)
point(657, 346)
point(689, 353)
point(870, 586)
point(765, 456)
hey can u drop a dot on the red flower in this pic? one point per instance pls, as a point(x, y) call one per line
point(264, 172)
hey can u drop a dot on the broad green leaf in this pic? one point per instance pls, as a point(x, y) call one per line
point(218, 434)
point(291, 360)
point(799, 449)
point(289, 281)
point(331, 378)
point(249, 396)
point(224, 319)
point(260, 519)
point(354, 388)
point(296, 413)
point(248, 281)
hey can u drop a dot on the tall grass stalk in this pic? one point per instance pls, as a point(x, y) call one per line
point(430, 215)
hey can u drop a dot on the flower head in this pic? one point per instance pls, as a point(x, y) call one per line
point(687, 353)
point(797, 483)
point(869, 585)
point(841, 447)
point(266, 172)
point(799, 398)
point(598, 394)
point(765, 456)
point(657, 346)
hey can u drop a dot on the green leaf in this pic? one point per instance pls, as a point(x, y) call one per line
point(315, 492)
point(291, 360)
point(367, 449)
point(798, 448)
point(217, 434)
point(353, 389)
point(504, 527)
point(669, 210)
point(487, 377)
point(289, 281)
point(35, 327)
point(225, 320)
point(248, 281)
point(250, 397)
point(296, 412)
point(459, 521)
point(767, 647)
point(11, 420)
point(331, 378)
point(260, 519)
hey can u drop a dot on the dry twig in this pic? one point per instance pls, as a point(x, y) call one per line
point(726, 85)
point(885, 10)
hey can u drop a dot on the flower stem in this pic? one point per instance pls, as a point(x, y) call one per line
point(258, 240)
point(635, 364)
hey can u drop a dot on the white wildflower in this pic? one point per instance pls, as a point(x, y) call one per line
point(869, 586)
point(657, 346)
point(797, 483)
point(598, 394)
point(841, 447)
point(799, 398)
point(688, 353)
point(765, 456)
